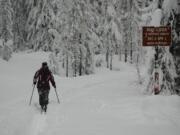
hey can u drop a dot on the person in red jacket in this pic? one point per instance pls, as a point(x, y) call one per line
point(42, 78)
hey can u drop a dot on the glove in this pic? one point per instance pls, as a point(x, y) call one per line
point(54, 86)
point(34, 82)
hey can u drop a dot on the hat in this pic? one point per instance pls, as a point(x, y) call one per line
point(44, 64)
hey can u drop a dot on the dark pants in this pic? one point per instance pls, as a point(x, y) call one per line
point(43, 97)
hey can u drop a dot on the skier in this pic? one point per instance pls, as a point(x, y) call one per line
point(42, 78)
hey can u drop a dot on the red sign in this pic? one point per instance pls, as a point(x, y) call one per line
point(157, 36)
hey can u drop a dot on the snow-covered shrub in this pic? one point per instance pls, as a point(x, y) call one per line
point(54, 64)
point(6, 50)
point(168, 73)
point(99, 61)
point(168, 6)
point(166, 70)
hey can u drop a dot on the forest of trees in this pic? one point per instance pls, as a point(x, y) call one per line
point(80, 34)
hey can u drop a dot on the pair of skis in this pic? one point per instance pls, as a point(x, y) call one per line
point(44, 109)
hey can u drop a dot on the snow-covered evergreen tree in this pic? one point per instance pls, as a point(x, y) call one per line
point(19, 19)
point(40, 19)
point(75, 38)
point(164, 64)
point(6, 23)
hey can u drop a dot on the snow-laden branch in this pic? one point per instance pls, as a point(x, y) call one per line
point(148, 9)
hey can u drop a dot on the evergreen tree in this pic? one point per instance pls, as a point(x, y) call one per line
point(19, 22)
point(6, 34)
point(40, 19)
point(163, 63)
point(6, 20)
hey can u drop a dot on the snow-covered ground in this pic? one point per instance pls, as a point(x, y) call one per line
point(106, 103)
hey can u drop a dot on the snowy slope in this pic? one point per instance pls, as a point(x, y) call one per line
point(107, 103)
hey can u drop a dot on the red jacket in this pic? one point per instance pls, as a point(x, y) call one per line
point(42, 77)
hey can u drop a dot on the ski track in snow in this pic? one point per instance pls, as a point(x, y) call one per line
point(38, 125)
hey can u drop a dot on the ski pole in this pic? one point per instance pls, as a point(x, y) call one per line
point(57, 96)
point(31, 95)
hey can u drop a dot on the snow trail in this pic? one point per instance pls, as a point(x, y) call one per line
point(38, 125)
point(106, 103)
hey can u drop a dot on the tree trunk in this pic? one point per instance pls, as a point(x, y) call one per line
point(156, 56)
point(80, 64)
point(107, 57)
point(111, 60)
point(63, 64)
point(125, 55)
point(75, 67)
point(120, 54)
point(131, 54)
point(138, 70)
point(63, 61)
point(67, 65)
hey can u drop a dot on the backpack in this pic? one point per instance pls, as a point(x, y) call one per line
point(43, 79)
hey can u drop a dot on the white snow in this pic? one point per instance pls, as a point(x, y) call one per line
point(111, 11)
point(106, 103)
point(168, 5)
point(156, 17)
